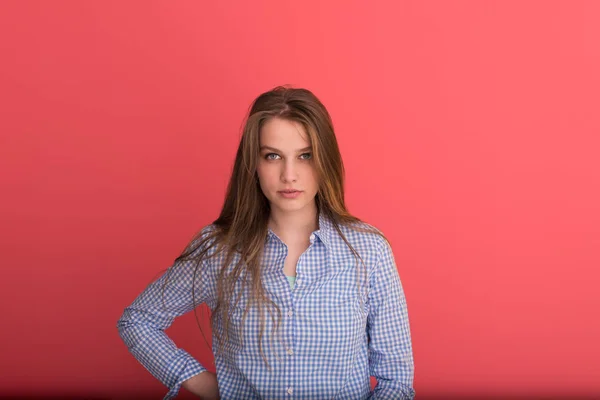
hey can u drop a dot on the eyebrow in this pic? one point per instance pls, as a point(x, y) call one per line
point(277, 150)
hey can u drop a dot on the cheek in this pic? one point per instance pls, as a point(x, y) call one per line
point(265, 175)
point(260, 170)
point(313, 176)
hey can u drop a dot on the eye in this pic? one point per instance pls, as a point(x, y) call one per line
point(268, 156)
point(304, 156)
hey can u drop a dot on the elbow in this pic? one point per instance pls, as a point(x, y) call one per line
point(136, 326)
point(128, 329)
point(124, 321)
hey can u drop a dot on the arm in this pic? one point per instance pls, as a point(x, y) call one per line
point(390, 349)
point(142, 325)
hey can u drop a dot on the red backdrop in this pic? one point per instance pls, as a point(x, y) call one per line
point(469, 129)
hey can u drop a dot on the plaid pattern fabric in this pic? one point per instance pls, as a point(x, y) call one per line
point(338, 326)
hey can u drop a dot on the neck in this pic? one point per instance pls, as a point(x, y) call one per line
point(294, 226)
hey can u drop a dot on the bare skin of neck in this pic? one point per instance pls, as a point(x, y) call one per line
point(294, 231)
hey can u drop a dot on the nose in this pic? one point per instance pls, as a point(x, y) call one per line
point(289, 172)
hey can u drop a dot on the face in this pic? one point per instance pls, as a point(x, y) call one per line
point(286, 163)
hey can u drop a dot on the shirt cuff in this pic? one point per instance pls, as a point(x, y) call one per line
point(184, 366)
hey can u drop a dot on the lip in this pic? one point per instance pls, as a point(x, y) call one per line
point(290, 194)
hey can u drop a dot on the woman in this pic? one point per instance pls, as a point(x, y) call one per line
point(306, 301)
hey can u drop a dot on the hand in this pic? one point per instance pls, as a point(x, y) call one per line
point(204, 385)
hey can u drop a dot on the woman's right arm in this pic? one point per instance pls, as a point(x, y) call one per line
point(204, 386)
point(142, 326)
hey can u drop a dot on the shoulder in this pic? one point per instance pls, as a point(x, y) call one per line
point(364, 235)
point(205, 239)
point(367, 239)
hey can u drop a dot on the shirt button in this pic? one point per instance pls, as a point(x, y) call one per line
point(312, 236)
point(290, 351)
point(290, 391)
point(290, 313)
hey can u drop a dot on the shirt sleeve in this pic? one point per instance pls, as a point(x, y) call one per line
point(390, 348)
point(142, 324)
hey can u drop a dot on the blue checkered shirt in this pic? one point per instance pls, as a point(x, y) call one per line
point(332, 339)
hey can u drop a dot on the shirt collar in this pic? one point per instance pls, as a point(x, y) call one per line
point(324, 232)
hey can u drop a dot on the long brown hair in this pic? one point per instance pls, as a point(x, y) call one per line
point(242, 226)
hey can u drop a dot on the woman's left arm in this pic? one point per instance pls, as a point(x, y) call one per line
point(390, 348)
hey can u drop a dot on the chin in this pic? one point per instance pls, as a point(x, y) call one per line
point(290, 207)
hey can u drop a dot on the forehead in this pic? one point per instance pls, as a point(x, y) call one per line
point(283, 134)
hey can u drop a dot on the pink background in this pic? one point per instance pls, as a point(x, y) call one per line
point(470, 132)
